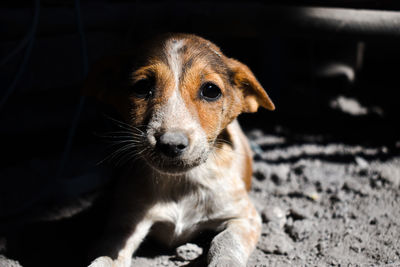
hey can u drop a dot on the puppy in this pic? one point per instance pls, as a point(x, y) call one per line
point(193, 164)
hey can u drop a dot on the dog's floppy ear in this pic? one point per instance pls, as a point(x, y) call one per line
point(105, 82)
point(253, 93)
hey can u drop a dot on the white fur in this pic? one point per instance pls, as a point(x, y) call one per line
point(174, 59)
point(133, 242)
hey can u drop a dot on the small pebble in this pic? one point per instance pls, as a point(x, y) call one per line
point(355, 187)
point(276, 243)
point(300, 230)
point(299, 213)
point(280, 174)
point(362, 163)
point(274, 214)
point(4, 262)
point(311, 193)
point(188, 252)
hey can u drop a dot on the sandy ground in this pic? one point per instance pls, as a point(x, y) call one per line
point(318, 211)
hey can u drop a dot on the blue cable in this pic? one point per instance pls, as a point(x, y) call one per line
point(79, 108)
point(29, 39)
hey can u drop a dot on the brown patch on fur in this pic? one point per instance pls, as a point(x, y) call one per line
point(253, 93)
point(250, 237)
point(163, 87)
point(222, 146)
point(248, 172)
point(248, 231)
point(248, 167)
point(208, 113)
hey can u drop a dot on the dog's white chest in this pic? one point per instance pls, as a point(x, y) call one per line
point(180, 220)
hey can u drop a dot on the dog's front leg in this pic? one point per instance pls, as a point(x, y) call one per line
point(233, 246)
point(125, 252)
point(132, 243)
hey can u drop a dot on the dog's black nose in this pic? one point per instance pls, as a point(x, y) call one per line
point(173, 144)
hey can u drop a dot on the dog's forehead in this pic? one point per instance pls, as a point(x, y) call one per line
point(193, 45)
point(184, 51)
point(197, 47)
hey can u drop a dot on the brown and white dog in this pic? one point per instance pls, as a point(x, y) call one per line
point(193, 162)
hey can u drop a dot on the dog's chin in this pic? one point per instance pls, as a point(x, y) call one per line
point(173, 167)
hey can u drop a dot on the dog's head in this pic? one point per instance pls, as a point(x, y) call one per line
point(180, 94)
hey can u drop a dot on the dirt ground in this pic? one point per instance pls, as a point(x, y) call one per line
point(322, 212)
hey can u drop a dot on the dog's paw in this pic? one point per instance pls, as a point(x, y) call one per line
point(102, 262)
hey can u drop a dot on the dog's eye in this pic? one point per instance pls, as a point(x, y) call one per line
point(210, 92)
point(143, 88)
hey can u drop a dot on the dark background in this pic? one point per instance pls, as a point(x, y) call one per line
point(49, 172)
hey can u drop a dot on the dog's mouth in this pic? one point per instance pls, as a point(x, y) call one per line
point(168, 166)
point(175, 165)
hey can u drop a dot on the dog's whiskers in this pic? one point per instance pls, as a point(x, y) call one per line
point(128, 139)
point(128, 132)
point(130, 147)
point(121, 136)
point(134, 142)
point(221, 148)
point(128, 157)
point(125, 125)
point(223, 141)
